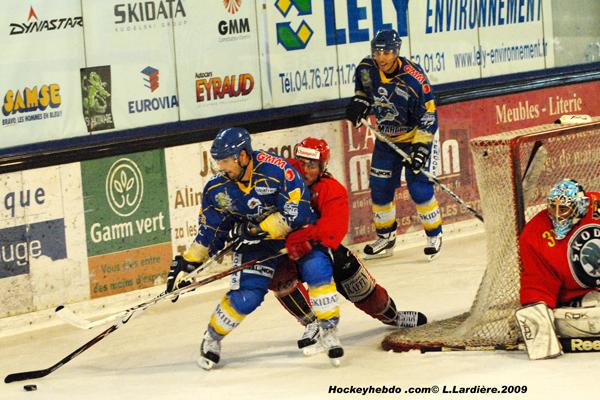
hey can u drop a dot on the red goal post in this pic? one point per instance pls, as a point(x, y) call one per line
point(514, 172)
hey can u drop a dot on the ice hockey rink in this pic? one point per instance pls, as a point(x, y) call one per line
point(153, 356)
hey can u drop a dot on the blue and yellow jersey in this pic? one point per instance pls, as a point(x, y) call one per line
point(403, 103)
point(274, 186)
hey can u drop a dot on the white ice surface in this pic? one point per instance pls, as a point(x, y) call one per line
point(153, 357)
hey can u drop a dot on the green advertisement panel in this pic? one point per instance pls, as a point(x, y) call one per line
point(125, 202)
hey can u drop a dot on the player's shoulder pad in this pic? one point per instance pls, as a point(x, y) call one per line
point(332, 186)
point(366, 62)
point(272, 165)
point(417, 73)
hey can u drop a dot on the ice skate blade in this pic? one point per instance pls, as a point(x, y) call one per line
point(335, 362)
point(431, 257)
point(383, 254)
point(205, 364)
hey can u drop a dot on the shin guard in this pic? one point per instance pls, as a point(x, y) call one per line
point(297, 302)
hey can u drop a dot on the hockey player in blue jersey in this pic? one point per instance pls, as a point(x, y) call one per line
point(397, 91)
point(256, 199)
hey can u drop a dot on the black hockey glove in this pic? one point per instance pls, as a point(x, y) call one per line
point(419, 156)
point(358, 109)
point(245, 234)
point(179, 269)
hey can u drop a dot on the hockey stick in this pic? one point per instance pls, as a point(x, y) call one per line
point(68, 316)
point(431, 177)
point(40, 373)
point(569, 345)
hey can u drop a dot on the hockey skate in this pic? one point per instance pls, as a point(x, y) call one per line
point(210, 352)
point(382, 247)
point(309, 343)
point(410, 319)
point(432, 249)
point(331, 343)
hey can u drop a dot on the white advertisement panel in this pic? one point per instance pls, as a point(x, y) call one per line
point(189, 167)
point(42, 51)
point(217, 59)
point(514, 38)
point(355, 24)
point(136, 40)
point(42, 243)
point(444, 39)
point(299, 60)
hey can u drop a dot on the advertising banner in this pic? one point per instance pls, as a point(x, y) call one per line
point(126, 222)
point(136, 39)
point(96, 100)
point(459, 123)
point(42, 51)
point(217, 59)
point(355, 25)
point(42, 257)
point(300, 63)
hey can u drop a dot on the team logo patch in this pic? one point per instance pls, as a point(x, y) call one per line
point(223, 200)
point(268, 158)
point(596, 209)
point(253, 203)
point(264, 191)
point(289, 174)
point(584, 255)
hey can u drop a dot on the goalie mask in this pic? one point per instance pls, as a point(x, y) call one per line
point(567, 204)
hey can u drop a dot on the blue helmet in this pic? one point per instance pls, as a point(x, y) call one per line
point(230, 142)
point(386, 39)
point(567, 204)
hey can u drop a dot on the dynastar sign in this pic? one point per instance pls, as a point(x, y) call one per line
point(35, 25)
point(143, 11)
point(298, 38)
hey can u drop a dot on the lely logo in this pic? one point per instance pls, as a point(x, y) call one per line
point(294, 39)
point(232, 6)
point(124, 187)
point(33, 24)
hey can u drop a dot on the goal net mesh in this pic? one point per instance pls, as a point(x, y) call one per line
point(514, 175)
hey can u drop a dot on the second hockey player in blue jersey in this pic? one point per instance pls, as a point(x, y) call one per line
point(256, 200)
point(397, 91)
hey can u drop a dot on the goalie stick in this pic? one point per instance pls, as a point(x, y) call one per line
point(40, 373)
point(68, 316)
point(430, 176)
point(569, 345)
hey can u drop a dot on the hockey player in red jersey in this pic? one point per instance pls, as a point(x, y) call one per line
point(560, 254)
point(329, 198)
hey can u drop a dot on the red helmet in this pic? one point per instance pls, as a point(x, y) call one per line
point(314, 149)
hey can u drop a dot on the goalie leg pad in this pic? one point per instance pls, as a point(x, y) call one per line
point(577, 321)
point(536, 323)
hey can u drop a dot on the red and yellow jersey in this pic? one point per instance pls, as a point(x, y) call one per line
point(556, 271)
point(329, 199)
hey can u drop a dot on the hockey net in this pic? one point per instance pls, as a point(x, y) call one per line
point(515, 171)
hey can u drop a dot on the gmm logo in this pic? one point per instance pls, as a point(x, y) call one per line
point(124, 187)
point(232, 6)
point(286, 36)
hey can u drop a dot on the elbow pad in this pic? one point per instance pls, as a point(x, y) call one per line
point(276, 226)
point(197, 253)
